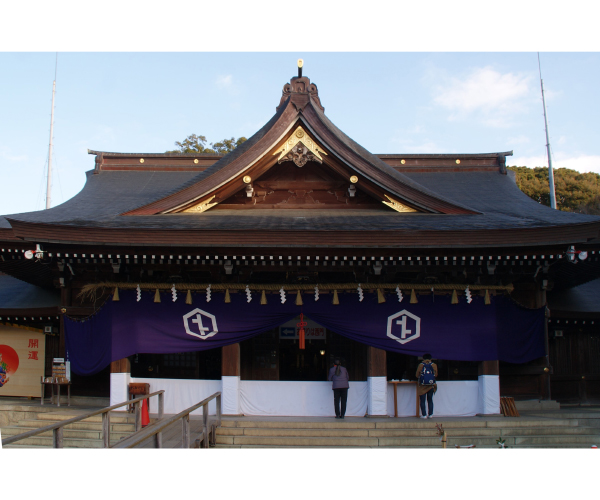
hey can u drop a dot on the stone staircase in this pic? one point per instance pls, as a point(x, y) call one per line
point(84, 434)
point(526, 432)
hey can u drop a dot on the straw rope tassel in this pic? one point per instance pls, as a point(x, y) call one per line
point(380, 296)
point(298, 298)
point(188, 298)
point(116, 294)
point(486, 299)
point(454, 299)
point(413, 297)
point(263, 299)
point(157, 296)
point(336, 300)
point(227, 297)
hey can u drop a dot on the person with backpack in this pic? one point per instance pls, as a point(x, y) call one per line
point(426, 385)
point(340, 378)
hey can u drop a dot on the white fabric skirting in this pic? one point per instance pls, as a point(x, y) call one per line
point(452, 399)
point(377, 396)
point(231, 395)
point(489, 394)
point(298, 399)
point(119, 384)
point(180, 394)
point(311, 399)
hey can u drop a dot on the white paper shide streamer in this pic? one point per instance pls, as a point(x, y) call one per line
point(248, 294)
point(399, 292)
point(174, 292)
point(468, 294)
point(360, 293)
point(208, 292)
point(281, 294)
point(316, 292)
point(139, 293)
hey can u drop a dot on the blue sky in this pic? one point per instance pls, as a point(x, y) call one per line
point(389, 102)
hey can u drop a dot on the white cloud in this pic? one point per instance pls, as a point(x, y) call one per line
point(581, 163)
point(224, 81)
point(411, 146)
point(519, 139)
point(10, 157)
point(485, 94)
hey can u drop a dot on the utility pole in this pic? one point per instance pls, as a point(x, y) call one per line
point(550, 171)
point(49, 184)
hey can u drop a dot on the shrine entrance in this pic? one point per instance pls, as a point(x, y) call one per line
point(276, 355)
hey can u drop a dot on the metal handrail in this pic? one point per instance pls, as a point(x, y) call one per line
point(57, 428)
point(158, 427)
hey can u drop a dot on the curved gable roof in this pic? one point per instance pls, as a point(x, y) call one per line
point(300, 102)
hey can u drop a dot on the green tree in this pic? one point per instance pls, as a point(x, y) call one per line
point(197, 144)
point(575, 192)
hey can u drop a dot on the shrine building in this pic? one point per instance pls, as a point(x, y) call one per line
point(249, 273)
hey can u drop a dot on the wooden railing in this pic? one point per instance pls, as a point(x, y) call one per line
point(156, 428)
point(57, 428)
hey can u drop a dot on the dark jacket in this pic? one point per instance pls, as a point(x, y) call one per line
point(339, 381)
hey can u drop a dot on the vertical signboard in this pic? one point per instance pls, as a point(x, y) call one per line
point(22, 358)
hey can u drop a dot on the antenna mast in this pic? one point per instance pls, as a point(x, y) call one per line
point(49, 185)
point(550, 172)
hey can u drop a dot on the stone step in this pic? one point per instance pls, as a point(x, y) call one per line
point(297, 441)
point(44, 441)
point(314, 432)
point(67, 433)
point(82, 425)
point(360, 423)
point(57, 416)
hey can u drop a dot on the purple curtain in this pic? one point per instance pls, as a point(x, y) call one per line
point(469, 332)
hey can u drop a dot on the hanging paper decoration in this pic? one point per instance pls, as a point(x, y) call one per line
point(139, 293)
point(116, 294)
point(263, 298)
point(157, 296)
point(413, 297)
point(380, 296)
point(454, 299)
point(399, 293)
point(282, 295)
point(360, 293)
point(248, 294)
point(316, 292)
point(174, 292)
point(188, 298)
point(208, 293)
point(298, 299)
point(468, 294)
point(227, 296)
point(486, 299)
point(301, 326)
point(336, 300)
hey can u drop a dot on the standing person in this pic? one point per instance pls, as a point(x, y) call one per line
point(426, 385)
point(339, 375)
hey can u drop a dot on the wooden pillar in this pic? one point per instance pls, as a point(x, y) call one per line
point(230, 361)
point(230, 379)
point(65, 301)
point(120, 366)
point(376, 362)
point(376, 382)
point(489, 368)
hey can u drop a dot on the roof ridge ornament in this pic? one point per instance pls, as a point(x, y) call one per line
point(300, 149)
point(397, 206)
point(201, 207)
point(300, 91)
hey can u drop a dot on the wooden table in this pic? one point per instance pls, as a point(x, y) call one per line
point(57, 384)
point(396, 382)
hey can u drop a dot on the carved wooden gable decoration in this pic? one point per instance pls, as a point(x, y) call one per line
point(300, 160)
